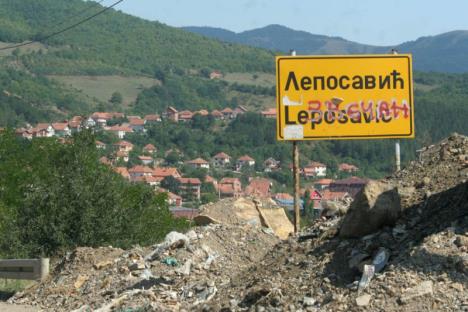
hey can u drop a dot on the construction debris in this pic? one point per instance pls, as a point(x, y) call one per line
point(416, 262)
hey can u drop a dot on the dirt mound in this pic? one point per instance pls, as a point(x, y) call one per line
point(180, 276)
point(420, 264)
point(254, 211)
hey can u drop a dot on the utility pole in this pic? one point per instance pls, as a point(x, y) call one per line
point(296, 172)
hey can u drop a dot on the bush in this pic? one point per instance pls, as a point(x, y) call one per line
point(58, 196)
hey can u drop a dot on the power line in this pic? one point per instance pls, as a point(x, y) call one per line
point(63, 30)
point(79, 13)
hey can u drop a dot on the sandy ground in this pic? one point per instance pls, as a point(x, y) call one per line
point(4, 307)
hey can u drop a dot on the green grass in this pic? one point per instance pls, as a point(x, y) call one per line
point(9, 287)
point(102, 87)
point(259, 79)
point(25, 49)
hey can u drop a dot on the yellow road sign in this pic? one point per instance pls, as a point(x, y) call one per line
point(344, 97)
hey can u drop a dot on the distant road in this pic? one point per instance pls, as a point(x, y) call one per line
point(16, 308)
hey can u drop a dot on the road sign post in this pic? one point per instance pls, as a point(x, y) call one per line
point(344, 97)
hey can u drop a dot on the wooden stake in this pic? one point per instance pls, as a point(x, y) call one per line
point(297, 216)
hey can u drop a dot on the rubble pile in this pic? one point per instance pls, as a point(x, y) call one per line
point(417, 260)
point(185, 270)
point(419, 263)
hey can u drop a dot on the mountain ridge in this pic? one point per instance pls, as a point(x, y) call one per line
point(444, 52)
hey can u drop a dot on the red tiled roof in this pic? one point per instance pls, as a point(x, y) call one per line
point(185, 114)
point(227, 110)
point(102, 115)
point(315, 164)
point(140, 169)
point(246, 158)
point(229, 181)
point(226, 189)
point(123, 143)
point(324, 181)
point(100, 143)
point(104, 160)
point(153, 117)
point(216, 113)
point(198, 161)
point(193, 181)
point(222, 155)
point(258, 186)
point(42, 126)
point(283, 196)
point(269, 112)
point(329, 195)
point(59, 126)
point(136, 122)
point(172, 109)
point(203, 112)
point(145, 157)
point(351, 181)
point(122, 171)
point(165, 172)
point(120, 128)
point(149, 147)
point(121, 154)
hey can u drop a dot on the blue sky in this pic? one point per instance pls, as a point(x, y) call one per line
point(366, 21)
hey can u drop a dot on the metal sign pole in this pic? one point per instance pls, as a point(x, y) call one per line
point(296, 172)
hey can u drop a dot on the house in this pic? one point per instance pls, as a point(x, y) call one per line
point(101, 118)
point(147, 179)
point(25, 133)
point(172, 199)
point(124, 146)
point(286, 200)
point(137, 124)
point(44, 130)
point(344, 167)
point(239, 110)
point(61, 129)
point(217, 114)
point(100, 145)
point(229, 187)
point(190, 187)
point(228, 113)
point(271, 164)
point(120, 130)
point(350, 185)
point(105, 161)
point(335, 196)
point(314, 169)
point(75, 124)
point(199, 163)
point(166, 172)
point(122, 155)
point(152, 119)
point(322, 184)
point(221, 159)
point(259, 187)
point(90, 123)
point(123, 172)
point(203, 112)
point(269, 113)
point(172, 114)
point(245, 160)
point(150, 149)
point(216, 75)
point(139, 171)
point(185, 116)
point(146, 160)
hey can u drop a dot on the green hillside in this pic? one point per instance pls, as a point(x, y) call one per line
point(116, 43)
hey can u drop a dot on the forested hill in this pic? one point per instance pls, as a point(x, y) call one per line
point(442, 53)
point(116, 42)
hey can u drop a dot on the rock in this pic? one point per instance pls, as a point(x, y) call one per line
point(363, 300)
point(137, 266)
point(376, 205)
point(461, 241)
point(172, 240)
point(425, 288)
point(103, 264)
point(308, 301)
point(186, 268)
point(81, 279)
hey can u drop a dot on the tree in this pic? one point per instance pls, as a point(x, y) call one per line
point(171, 184)
point(116, 98)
